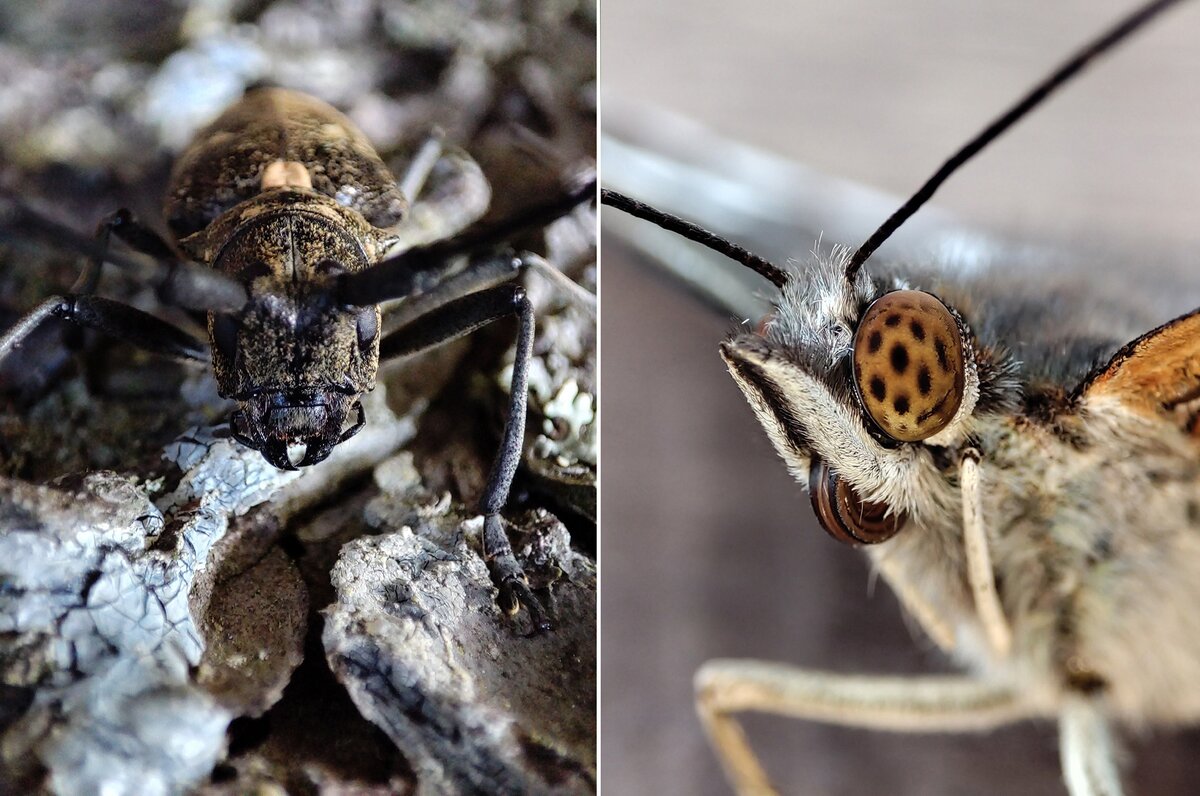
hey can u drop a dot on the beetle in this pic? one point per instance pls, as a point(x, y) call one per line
point(284, 227)
point(798, 621)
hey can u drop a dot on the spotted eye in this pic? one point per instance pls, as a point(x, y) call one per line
point(843, 514)
point(908, 364)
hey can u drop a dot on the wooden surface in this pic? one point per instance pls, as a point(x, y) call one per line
point(708, 548)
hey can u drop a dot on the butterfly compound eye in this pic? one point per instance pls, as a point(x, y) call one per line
point(843, 514)
point(908, 364)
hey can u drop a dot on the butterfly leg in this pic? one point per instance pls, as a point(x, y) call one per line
point(979, 564)
point(1086, 747)
point(906, 704)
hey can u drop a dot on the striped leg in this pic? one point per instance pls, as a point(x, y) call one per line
point(906, 704)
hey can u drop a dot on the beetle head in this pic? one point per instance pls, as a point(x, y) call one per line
point(295, 358)
point(276, 422)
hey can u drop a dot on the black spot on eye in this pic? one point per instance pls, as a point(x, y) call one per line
point(901, 404)
point(874, 342)
point(899, 358)
point(918, 330)
point(943, 360)
point(892, 320)
point(878, 388)
point(924, 381)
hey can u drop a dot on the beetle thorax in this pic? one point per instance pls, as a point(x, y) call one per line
point(295, 359)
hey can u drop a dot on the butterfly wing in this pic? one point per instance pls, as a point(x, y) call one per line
point(1158, 374)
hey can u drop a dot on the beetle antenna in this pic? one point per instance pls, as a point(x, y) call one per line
point(697, 233)
point(1064, 73)
point(393, 277)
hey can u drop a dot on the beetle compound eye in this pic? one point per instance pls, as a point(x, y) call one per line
point(368, 326)
point(224, 335)
point(843, 514)
point(908, 365)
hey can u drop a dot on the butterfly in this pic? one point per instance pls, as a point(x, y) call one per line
point(1027, 328)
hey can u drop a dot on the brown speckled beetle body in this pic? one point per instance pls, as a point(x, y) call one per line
point(284, 194)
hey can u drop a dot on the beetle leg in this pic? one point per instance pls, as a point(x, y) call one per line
point(422, 164)
point(577, 293)
point(907, 704)
point(479, 275)
point(450, 322)
point(186, 284)
point(138, 237)
point(482, 274)
point(111, 317)
point(453, 194)
point(89, 278)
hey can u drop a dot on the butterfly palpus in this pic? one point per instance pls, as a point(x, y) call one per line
point(1037, 516)
point(285, 226)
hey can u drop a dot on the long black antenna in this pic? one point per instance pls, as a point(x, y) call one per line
point(392, 278)
point(695, 233)
point(1031, 100)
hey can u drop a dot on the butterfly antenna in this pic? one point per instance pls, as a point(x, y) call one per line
point(695, 233)
point(1031, 100)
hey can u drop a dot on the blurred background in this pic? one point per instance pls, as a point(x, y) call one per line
point(709, 548)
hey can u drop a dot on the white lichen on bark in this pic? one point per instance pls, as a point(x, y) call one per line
point(95, 581)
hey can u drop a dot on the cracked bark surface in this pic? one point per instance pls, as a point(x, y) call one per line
point(175, 614)
point(412, 636)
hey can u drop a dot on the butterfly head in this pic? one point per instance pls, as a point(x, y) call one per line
point(859, 383)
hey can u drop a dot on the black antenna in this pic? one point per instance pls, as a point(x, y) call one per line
point(1031, 100)
point(695, 233)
